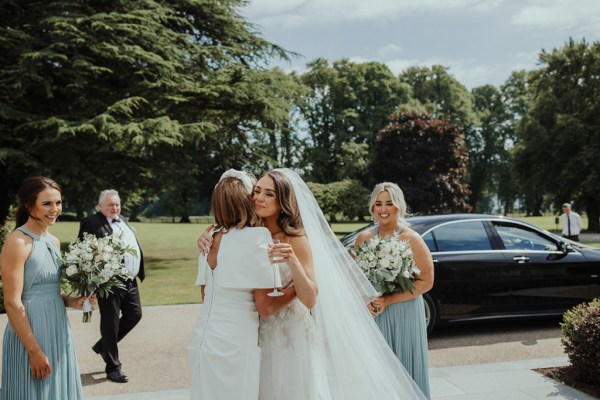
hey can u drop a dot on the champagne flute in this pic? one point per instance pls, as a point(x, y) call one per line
point(275, 292)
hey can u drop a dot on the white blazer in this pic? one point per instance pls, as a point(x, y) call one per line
point(242, 261)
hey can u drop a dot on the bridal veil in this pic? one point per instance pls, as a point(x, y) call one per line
point(358, 362)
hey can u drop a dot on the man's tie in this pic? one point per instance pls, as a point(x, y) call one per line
point(568, 225)
point(115, 220)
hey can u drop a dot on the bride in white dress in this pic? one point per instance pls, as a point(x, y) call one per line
point(224, 352)
point(325, 346)
point(319, 341)
point(290, 366)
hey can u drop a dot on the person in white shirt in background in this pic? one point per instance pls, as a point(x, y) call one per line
point(571, 223)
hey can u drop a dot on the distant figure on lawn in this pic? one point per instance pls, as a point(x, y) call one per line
point(570, 222)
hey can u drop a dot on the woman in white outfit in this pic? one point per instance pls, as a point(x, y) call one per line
point(224, 352)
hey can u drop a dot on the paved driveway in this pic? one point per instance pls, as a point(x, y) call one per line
point(154, 354)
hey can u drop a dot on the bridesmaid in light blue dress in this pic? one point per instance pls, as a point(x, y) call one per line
point(38, 354)
point(401, 316)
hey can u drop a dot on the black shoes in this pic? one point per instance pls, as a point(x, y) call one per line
point(117, 376)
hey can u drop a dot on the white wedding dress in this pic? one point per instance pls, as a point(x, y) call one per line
point(336, 351)
point(291, 359)
point(224, 355)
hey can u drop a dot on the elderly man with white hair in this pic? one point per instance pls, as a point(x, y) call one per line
point(122, 309)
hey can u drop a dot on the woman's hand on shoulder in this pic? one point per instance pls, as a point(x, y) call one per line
point(205, 240)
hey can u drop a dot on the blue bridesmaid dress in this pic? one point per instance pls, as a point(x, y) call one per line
point(404, 328)
point(48, 319)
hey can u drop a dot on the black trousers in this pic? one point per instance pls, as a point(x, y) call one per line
point(119, 313)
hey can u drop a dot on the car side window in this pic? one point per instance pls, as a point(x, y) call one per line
point(462, 236)
point(518, 238)
point(429, 241)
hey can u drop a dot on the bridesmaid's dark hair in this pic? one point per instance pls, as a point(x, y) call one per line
point(27, 195)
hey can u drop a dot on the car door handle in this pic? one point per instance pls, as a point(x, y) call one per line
point(436, 261)
point(521, 259)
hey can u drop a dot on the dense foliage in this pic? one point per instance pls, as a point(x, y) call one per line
point(427, 157)
point(95, 94)
point(559, 139)
point(345, 199)
point(581, 340)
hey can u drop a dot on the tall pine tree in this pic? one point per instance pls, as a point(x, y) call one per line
point(92, 91)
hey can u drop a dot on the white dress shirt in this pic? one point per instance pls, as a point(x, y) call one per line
point(132, 262)
point(571, 220)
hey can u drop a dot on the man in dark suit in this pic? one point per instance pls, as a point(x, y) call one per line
point(122, 309)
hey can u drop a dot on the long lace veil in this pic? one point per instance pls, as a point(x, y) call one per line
point(358, 362)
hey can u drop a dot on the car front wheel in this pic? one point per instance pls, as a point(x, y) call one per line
point(431, 312)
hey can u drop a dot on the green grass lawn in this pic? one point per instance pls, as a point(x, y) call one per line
point(171, 255)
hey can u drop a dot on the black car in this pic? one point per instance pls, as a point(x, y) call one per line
point(492, 267)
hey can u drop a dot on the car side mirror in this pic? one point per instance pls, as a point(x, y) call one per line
point(566, 247)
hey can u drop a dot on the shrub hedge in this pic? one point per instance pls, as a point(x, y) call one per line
point(581, 340)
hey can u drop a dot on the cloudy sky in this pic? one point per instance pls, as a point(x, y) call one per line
point(481, 41)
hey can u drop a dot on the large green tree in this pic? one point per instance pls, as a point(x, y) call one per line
point(559, 140)
point(440, 93)
point(428, 158)
point(91, 92)
point(517, 101)
point(487, 152)
point(345, 107)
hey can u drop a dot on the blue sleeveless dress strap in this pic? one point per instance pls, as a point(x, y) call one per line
point(404, 327)
point(47, 316)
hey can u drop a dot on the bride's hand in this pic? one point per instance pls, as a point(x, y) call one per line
point(205, 240)
point(281, 252)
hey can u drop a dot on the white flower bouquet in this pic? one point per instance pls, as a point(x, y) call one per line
point(95, 265)
point(387, 263)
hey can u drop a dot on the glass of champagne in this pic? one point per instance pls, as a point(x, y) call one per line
point(276, 260)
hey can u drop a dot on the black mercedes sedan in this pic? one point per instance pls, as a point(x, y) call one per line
point(494, 267)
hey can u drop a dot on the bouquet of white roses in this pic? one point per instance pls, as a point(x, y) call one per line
point(387, 263)
point(95, 265)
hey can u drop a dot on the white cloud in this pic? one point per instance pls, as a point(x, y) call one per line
point(481, 41)
point(388, 50)
point(583, 15)
point(293, 13)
